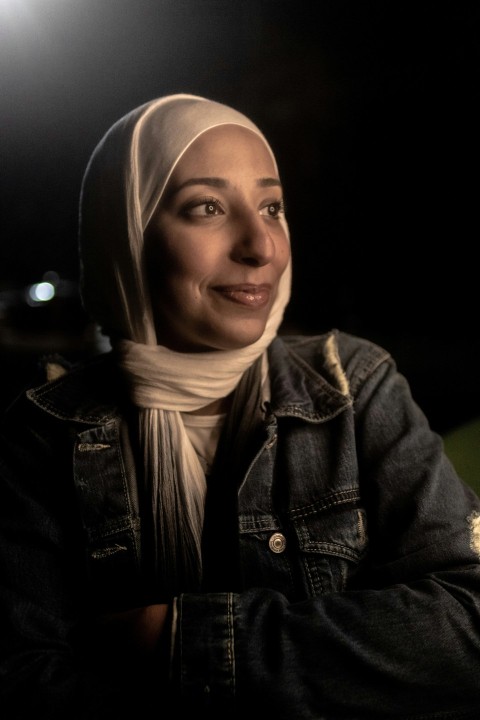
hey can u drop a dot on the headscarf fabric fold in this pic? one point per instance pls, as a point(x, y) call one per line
point(124, 181)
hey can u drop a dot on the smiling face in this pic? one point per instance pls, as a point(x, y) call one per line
point(216, 246)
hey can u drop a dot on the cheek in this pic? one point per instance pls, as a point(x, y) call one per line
point(191, 255)
point(283, 253)
point(170, 262)
point(180, 278)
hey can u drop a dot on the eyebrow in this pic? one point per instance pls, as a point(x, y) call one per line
point(222, 183)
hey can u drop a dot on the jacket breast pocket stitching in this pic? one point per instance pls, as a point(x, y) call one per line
point(324, 534)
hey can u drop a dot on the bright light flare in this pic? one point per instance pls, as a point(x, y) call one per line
point(25, 19)
point(15, 9)
point(41, 292)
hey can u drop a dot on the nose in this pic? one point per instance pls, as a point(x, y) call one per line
point(253, 244)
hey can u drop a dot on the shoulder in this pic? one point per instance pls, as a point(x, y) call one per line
point(340, 357)
point(350, 348)
point(355, 354)
point(86, 392)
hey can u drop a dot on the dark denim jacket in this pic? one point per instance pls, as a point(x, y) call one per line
point(358, 594)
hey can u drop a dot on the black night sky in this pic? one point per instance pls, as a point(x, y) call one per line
point(371, 108)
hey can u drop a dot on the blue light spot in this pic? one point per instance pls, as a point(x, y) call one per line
point(41, 292)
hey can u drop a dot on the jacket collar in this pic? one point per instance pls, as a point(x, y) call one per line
point(301, 383)
point(89, 393)
point(92, 393)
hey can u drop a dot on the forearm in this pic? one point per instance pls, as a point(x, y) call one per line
point(362, 654)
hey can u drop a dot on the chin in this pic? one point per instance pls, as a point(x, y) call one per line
point(239, 340)
point(216, 336)
point(235, 339)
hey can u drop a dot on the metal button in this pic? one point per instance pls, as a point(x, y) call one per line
point(277, 543)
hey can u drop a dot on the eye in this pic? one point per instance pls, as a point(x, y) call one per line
point(206, 207)
point(273, 209)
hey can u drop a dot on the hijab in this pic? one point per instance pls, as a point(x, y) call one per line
point(124, 181)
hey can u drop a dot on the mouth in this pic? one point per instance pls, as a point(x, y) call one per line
point(254, 296)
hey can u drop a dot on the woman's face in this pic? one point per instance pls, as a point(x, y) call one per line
point(216, 246)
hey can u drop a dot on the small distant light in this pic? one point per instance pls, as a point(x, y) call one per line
point(41, 292)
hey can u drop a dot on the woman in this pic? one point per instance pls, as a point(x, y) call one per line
point(211, 517)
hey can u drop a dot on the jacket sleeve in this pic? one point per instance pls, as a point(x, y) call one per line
point(404, 642)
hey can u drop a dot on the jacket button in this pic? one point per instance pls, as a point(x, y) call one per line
point(277, 543)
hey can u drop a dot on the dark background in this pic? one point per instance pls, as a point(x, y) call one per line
point(371, 108)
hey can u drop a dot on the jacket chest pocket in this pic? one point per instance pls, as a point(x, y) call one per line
point(109, 512)
point(331, 539)
point(317, 551)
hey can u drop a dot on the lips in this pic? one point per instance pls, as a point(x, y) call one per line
point(253, 296)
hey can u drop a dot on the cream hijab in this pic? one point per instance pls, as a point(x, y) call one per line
point(123, 184)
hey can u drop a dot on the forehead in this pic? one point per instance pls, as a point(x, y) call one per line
point(225, 149)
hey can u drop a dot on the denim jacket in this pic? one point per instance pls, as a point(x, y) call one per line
point(358, 552)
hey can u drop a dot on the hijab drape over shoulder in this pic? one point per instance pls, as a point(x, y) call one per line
point(123, 184)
